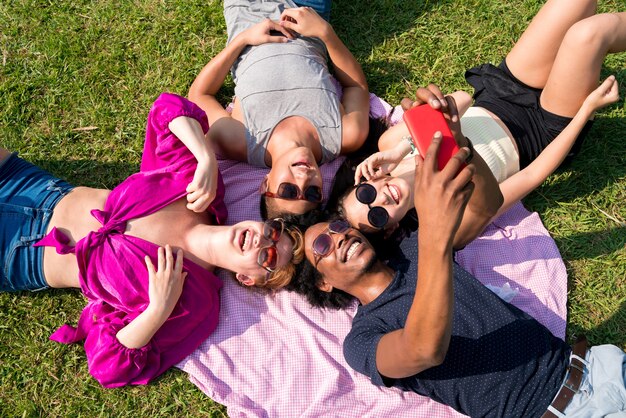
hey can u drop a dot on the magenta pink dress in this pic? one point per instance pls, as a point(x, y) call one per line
point(113, 274)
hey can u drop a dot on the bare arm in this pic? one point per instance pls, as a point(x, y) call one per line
point(165, 288)
point(487, 198)
point(201, 191)
point(227, 133)
point(525, 181)
point(424, 340)
point(355, 101)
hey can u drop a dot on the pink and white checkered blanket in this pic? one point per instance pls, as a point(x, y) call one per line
point(275, 356)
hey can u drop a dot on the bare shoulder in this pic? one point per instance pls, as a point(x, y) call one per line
point(229, 138)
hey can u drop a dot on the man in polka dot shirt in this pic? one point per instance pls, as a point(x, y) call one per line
point(426, 325)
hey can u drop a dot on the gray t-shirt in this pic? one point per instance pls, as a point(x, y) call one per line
point(274, 81)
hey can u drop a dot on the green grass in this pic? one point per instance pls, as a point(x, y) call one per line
point(69, 65)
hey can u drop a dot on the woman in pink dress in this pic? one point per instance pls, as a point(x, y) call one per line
point(143, 254)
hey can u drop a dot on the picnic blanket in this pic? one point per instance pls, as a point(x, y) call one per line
point(276, 356)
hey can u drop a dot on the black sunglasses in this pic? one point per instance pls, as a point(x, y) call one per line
point(377, 215)
point(290, 191)
point(268, 256)
point(324, 244)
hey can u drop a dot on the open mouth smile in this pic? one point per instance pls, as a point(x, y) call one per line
point(353, 245)
point(395, 193)
point(244, 240)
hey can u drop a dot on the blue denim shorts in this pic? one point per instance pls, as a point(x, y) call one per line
point(28, 196)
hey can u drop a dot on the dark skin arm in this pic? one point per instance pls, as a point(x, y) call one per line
point(424, 340)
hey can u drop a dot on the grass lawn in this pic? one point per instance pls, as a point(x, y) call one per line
point(77, 80)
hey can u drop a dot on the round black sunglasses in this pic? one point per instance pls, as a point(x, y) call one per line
point(377, 215)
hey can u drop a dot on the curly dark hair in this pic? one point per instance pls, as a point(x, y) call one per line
point(305, 282)
point(306, 277)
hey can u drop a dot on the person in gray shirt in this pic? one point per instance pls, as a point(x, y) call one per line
point(288, 114)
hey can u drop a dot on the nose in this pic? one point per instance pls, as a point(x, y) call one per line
point(303, 174)
point(339, 239)
point(257, 241)
point(380, 199)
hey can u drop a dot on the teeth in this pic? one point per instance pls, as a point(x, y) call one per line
point(245, 240)
point(352, 250)
point(394, 193)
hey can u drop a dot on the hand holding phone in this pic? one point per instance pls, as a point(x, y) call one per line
point(423, 121)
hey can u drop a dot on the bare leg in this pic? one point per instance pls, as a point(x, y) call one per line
point(576, 69)
point(533, 55)
point(463, 101)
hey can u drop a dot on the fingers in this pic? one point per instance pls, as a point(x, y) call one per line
point(365, 170)
point(199, 198)
point(456, 162)
point(200, 204)
point(433, 96)
point(161, 259)
point(290, 18)
point(464, 178)
point(605, 94)
point(453, 110)
point(407, 103)
point(166, 261)
point(358, 173)
point(280, 28)
point(371, 168)
point(178, 266)
point(430, 159)
point(150, 266)
point(611, 88)
point(169, 258)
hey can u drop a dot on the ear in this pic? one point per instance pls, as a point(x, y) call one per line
point(245, 280)
point(264, 183)
point(324, 286)
point(390, 228)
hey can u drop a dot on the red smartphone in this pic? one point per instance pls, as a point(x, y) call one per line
point(423, 121)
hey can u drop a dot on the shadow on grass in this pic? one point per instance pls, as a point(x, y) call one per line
point(599, 164)
point(611, 331)
point(89, 173)
point(585, 245)
point(362, 25)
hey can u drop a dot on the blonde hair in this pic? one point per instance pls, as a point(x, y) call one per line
point(282, 276)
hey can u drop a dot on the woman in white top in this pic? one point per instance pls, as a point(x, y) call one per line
point(527, 116)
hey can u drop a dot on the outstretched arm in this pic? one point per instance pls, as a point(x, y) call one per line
point(229, 134)
point(424, 340)
point(487, 198)
point(355, 101)
point(525, 181)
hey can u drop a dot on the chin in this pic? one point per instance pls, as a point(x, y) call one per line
point(369, 264)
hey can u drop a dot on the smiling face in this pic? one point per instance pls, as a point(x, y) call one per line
point(298, 167)
point(393, 194)
point(349, 256)
point(241, 251)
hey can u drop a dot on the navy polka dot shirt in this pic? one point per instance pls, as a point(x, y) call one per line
point(500, 363)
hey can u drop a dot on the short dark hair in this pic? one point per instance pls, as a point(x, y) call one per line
point(307, 278)
point(305, 220)
point(269, 209)
point(305, 282)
